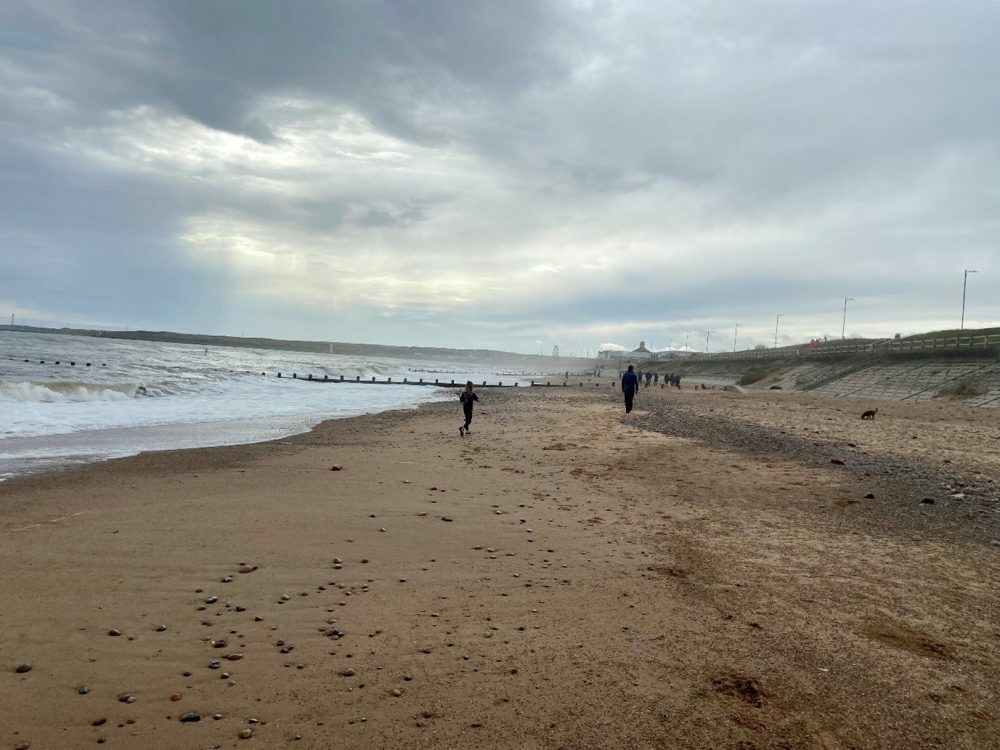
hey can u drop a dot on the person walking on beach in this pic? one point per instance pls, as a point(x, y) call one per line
point(467, 398)
point(630, 384)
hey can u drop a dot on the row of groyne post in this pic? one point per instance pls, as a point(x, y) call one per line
point(71, 363)
point(357, 379)
point(438, 382)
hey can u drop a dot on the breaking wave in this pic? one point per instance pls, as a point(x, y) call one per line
point(65, 392)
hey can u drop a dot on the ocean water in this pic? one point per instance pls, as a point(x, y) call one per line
point(138, 396)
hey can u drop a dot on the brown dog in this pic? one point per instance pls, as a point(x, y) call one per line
point(870, 414)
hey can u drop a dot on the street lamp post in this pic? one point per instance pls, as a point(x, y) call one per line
point(843, 327)
point(735, 334)
point(708, 335)
point(778, 317)
point(965, 283)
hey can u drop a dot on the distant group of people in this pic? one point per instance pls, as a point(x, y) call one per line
point(632, 381)
point(653, 378)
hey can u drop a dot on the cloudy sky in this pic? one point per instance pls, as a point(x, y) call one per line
point(510, 174)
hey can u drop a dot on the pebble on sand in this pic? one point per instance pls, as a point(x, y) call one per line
point(175, 697)
point(22, 668)
point(336, 467)
point(247, 568)
point(114, 632)
point(447, 519)
point(346, 672)
point(246, 734)
point(190, 716)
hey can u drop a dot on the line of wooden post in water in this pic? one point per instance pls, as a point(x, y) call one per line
point(388, 381)
point(436, 382)
point(70, 363)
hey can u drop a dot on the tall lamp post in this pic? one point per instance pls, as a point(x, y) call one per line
point(965, 283)
point(708, 335)
point(778, 317)
point(843, 327)
point(735, 334)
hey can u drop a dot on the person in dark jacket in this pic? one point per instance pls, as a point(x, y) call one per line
point(467, 398)
point(630, 384)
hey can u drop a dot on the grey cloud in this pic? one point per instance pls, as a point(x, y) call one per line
point(738, 156)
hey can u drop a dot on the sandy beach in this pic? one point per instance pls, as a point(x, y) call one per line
point(716, 570)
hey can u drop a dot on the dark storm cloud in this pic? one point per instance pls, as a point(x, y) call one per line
point(692, 163)
point(213, 61)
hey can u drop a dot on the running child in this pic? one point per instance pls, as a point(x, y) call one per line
point(467, 398)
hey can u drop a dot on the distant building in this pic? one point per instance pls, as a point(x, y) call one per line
point(614, 351)
point(641, 352)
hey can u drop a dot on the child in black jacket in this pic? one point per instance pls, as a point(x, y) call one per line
point(467, 398)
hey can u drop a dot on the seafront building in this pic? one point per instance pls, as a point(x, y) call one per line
point(612, 351)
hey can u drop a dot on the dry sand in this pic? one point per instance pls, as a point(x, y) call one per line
point(697, 575)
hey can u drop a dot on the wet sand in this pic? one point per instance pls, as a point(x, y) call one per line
point(705, 573)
